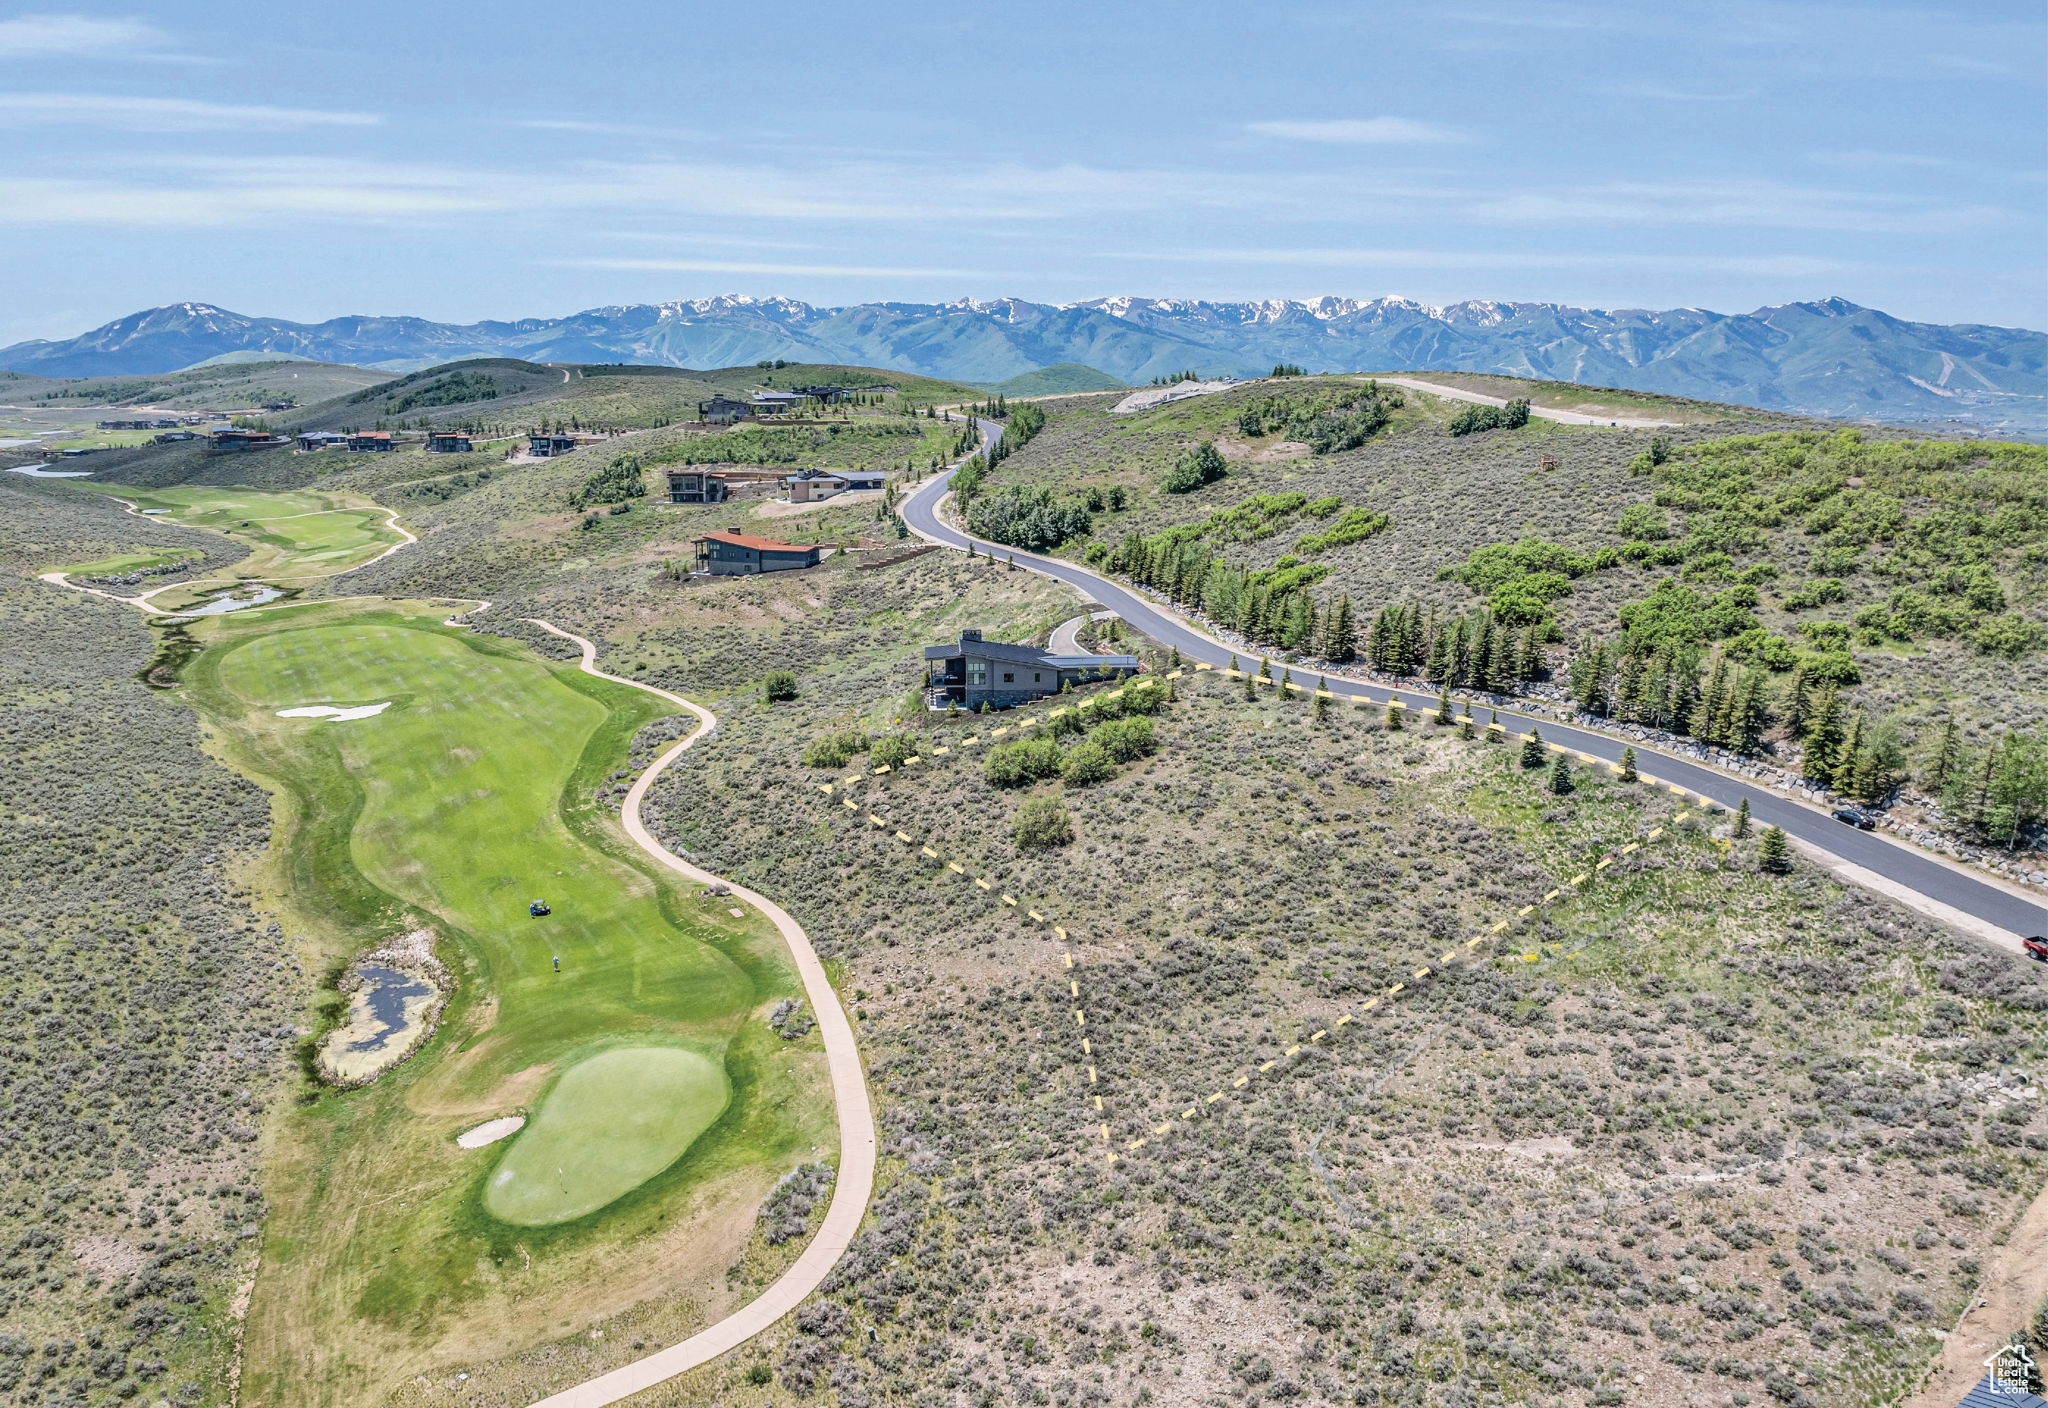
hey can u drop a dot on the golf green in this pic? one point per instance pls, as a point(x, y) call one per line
point(611, 1123)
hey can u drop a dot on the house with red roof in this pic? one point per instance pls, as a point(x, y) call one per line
point(731, 553)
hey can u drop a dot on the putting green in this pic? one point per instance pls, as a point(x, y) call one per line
point(611, 1123)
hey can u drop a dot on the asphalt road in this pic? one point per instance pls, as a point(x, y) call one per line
point(1895, 861)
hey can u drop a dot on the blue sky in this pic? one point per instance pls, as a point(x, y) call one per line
point(462, 160)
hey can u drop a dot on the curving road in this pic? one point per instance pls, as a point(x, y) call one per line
point(1562, 417)
point(854, 1183)
point(1942, 889)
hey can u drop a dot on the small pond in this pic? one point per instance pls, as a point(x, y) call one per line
point(223, 604)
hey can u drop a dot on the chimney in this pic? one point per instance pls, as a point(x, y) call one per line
point(970, 635)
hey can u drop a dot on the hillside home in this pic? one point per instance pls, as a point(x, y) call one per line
point(173, 437)
point(824, 395)
point(773, 403)
point(697, 486)
point(731, 553)
point(546, 447)
point(235, 440)
point(723, 410)
point(811, 485)
point(321, 440)
point(371, 442)
point(448, 442)
point(977, 672)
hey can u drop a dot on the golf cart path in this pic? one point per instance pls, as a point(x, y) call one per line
point(1063, 639)
point(855, 1181)
point(1984, 905)
point(1540, 412)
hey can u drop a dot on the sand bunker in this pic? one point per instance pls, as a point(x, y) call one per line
point(490, 1132)
point(334, 714)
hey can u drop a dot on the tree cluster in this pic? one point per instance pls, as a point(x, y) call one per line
point(1473, 419)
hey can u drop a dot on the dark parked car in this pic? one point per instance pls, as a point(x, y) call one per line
point(1849, 816)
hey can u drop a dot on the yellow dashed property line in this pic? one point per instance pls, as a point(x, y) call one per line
point(1470, 945)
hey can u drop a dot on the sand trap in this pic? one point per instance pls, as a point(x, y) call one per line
point(490, 1132)
point(332, 713)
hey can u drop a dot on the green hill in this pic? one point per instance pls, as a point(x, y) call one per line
point(1063, 379)
point(222, 387)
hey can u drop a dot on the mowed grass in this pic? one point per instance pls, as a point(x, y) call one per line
point(640, 1105)
point(659, 1102)
point(292, 535)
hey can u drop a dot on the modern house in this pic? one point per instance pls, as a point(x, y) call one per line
point(173, 437)
point(730, 553)
point(697, 486)
point(977, 672)
point(723, 410)
point(371, 442)
point(321, 440)
point(235, 440)
point(546, 447)
point(449, 442)
point(772, 403)
point(825, 395)
point(811, 485)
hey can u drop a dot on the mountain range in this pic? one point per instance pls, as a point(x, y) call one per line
point(1827, 357)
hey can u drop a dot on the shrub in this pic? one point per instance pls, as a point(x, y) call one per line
point(1088, 764)
point(1126, 740)
point(1513, 416)
point(893, 751)
point(1042, 824)
point(1199, 466)
point(778, 685)
point(617, 482)
point(1020, 764)
point(835, 750)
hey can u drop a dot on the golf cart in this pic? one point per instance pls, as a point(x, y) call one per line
point(537, 908)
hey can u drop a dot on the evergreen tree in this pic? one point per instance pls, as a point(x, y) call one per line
point(1251, 687)
point(1774, 852)
point(1265, 668)
point(1532, 750)
point(1340, 636)
point(1628, 765)
point(1843, 778)
point(1944, 764)
point(1322, 698)
point(1444, 716)
point(1589, 679)
point(1529, 655)
point(1705, 719)
point(1394, 712)
point(1742, 820)
point(1823, 738)
point(1747, 718)
point(1465, 727)
point(1560, 779)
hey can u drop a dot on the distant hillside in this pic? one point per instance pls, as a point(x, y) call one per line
point(1066, 379)
point(240, 385)
point(1829, 357)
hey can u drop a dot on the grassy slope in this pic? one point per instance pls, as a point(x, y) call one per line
point(238, 386)
point(1449, 496)
point(383, 1263)
point(1571, 396)
point(1064, 379)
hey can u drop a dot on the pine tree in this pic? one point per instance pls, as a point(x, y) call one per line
point(1823, 738)
point(1251, 687)
point(1529, 655)
point(1747, 718)
point(1702, 722)
point(1465, 727)
point(1444, 716)
point(1774, 852)
point(1493, 733)
point(1265, 668)
point(1340, 637)
point(1742, 820)
point(1322, 698)
point(1843, 779)
point(1560, 779)
point(1532, 750)
point(1945, 762)
point(1628, 765)
point(1394, 712)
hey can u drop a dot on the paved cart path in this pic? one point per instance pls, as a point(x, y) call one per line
point(855, 1181)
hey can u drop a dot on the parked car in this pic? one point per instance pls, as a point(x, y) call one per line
point(2036, 947)
point(1849, 816)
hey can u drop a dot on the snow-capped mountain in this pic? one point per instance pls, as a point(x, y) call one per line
point(1826, 357)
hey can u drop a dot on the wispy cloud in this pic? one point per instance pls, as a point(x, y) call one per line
point(165, 114)
point(1784, 265)
point(729, 266)
point(1370, 131)
point(610, 129)
point(81, 36)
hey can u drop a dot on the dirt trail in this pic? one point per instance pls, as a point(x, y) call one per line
point(855, 1182)
point(2014, 1283)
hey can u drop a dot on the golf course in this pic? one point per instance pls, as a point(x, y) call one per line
point(624, 1024)
point(294, 537)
